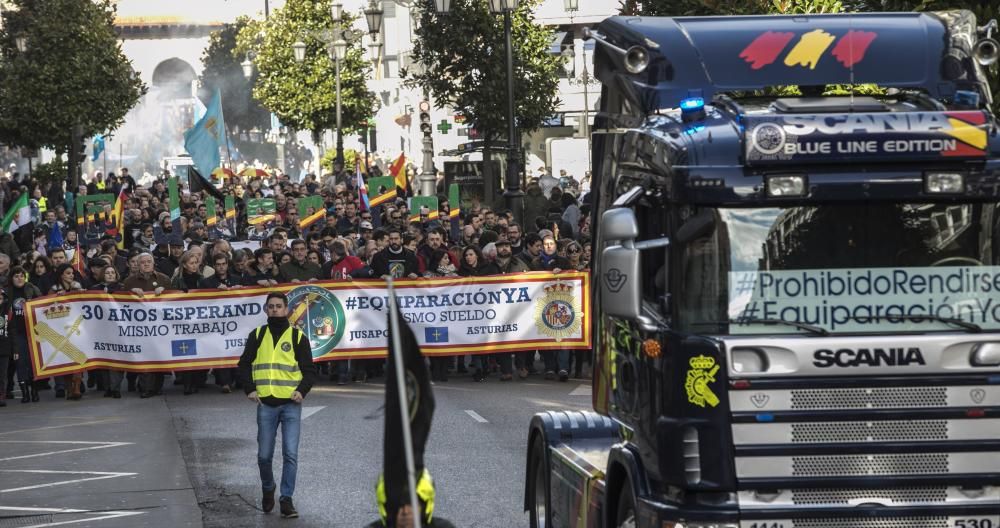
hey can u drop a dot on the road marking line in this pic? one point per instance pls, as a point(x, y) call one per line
point(96, 422)
point(94, 516)
point(100, 445)
point(309, 411)
point(582, 390)
point(101, 476)
point(475, 416)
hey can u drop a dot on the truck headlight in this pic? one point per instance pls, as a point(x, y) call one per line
point(986, 355)
point(944, 183)
point(786, 185)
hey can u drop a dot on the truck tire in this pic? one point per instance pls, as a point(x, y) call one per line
point(539, 513)
point(626, 507)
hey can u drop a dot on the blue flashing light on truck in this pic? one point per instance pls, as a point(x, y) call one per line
point(797, 298)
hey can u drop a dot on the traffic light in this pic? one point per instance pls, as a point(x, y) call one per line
point(78, 146)
point(425, 118)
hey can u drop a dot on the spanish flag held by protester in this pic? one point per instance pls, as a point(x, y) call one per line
point(398, 171)
point(118, 217)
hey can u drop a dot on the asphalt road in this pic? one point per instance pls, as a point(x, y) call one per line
point(177, 460)
point(97, 462)
point(475, 453)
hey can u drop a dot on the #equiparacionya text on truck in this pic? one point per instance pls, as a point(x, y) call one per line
point(796, 279)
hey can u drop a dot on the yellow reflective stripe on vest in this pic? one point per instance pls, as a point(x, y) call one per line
point(276, 383)
point(276, 366)
point(275, 370)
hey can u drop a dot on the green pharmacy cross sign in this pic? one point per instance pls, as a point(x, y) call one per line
point(444, 126)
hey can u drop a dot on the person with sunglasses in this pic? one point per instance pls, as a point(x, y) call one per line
point(574, 255)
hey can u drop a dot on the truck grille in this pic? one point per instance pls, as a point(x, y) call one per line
point(874, 398)
point(883, 431)
point(894, 497)
point(865, 465)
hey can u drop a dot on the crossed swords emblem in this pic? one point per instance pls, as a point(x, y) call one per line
point(61, 342)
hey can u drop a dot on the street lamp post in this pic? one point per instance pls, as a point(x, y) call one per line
point(273, 136)
point(513, 194)
point(428, 175)
point(339, 50)
point(585, 79)
point(336, 41)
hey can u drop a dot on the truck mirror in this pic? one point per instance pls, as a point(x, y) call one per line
point(696, 227)
point(621, 282)
point(619, 224)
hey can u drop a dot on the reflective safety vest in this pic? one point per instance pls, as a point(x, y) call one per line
point(43, 204)
point(425, 494)
point(100, 185)
point(275, 370)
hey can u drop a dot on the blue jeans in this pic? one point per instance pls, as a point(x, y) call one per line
point(289, 416)
point(556, 360)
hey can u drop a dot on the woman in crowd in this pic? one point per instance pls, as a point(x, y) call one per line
point(441, 265)
point(20, 291)
point(41, 273)
point(314, 257)
point(550, 260)
point(189, 277)
point(111, 379)
point(65, 282)
point(474, 265)
point(574, 254)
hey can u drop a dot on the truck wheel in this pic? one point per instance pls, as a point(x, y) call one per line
point(626, 507)
point(538, 487)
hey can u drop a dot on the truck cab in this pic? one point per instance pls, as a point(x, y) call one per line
point(796, 279)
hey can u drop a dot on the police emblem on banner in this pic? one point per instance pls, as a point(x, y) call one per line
point(558, 313)
point(319, 315)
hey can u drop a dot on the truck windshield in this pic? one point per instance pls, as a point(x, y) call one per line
point(871, 268)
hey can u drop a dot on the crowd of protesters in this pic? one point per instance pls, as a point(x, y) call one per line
point(152, 254)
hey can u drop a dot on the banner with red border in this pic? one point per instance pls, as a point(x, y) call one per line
point(204, 329)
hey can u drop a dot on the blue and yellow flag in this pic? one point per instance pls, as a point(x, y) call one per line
point(97, 147)
point(203, 140)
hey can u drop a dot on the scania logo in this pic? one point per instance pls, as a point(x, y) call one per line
point(868, 357)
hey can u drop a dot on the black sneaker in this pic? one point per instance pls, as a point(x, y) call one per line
point(287, 509)
point(267, 502)
point(60, 393)
point(563, 375)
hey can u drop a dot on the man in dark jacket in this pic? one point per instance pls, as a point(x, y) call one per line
point(276, 371)
point(299, 269)
point(395, 260)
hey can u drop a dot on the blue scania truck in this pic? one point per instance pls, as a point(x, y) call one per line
point(796, 279)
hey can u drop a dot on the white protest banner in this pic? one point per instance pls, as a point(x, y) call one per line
point(865, 299)
point(203, 329)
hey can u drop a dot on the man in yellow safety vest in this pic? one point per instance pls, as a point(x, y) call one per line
point(277, 371)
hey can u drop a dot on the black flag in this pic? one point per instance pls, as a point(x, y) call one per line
point(421, 410)
point(198, 183)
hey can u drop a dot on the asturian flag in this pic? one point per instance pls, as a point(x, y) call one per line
point(96, 147)
point(205, 138)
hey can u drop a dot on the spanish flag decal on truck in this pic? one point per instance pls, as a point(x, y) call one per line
point(849, 49)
